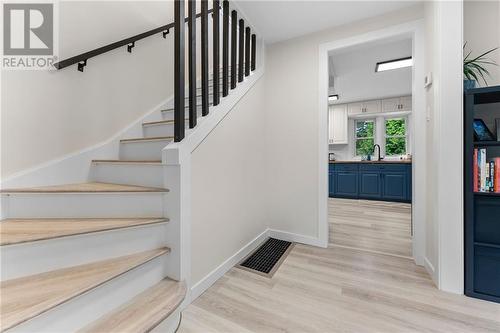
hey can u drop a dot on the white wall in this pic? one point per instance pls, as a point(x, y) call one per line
point(46, 115)
point(355, 76)
point(293, 125)
point(482, 32)
point(228, 185)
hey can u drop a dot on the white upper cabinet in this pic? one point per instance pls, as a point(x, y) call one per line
point(355, 108)
point(364, 107)
point(372, 106)
point(390, 104)
point(406, 103)
point(396, 104)
point(337, 124)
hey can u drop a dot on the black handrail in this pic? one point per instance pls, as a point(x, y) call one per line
point(81, 59)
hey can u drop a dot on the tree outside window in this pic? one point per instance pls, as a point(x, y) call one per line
point(395, 136)
point(365, 130)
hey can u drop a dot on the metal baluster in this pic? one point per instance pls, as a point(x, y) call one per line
point(216, 51)
point(179, 63)
point(192, 62)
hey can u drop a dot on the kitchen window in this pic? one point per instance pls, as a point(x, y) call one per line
point(396, 136)
point(365, 136)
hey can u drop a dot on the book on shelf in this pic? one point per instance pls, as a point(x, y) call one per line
point(476, 176)
point(497, 175)
point(486, 172)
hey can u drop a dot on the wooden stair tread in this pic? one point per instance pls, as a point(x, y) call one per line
point(128, 161)
point(143, 312)
point(15, 231)
point(27, 297)
point(93, 187)
point(156, 138)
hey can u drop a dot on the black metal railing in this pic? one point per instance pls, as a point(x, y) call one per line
point(241, 47)
point(129, 42)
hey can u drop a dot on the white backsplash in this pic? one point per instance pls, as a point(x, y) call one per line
point(342, 152)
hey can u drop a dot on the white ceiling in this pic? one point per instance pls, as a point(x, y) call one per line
point(285, 19)
point(355, 78)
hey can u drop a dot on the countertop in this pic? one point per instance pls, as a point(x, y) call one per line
point(374, 162)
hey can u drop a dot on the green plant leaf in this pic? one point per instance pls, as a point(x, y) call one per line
point(484, 54)
point(475, 68)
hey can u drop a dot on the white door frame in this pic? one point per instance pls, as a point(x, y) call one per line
point(415, 31)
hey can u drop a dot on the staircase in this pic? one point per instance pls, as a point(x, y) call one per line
point(91, 256)
point(104, 255)
point(67, 250)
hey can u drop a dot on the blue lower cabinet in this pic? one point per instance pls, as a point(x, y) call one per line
point(380, 181)
point(369, 185)
point(394, 186)
point(487, 217)
point(346, 184)
point(487, 271)
point(409, 181)
point(331, 187)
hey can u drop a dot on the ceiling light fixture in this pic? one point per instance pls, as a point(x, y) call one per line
point(393, 64)
point(332, 98)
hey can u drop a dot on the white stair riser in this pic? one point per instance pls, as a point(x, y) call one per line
point(47, 255)
point(199, 97)
point(169, 115)
point(80, 311)
point(160, 130)
point(163, 129)
point(137, 151)
point(131, 174)
point(84, 205)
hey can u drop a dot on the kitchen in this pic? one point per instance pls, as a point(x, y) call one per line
point(370, 145)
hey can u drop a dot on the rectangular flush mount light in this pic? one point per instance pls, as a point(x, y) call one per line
point(332, 98)
point(393, 64)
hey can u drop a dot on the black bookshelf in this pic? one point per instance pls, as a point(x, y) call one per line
point(482, 209)
point(487, 143)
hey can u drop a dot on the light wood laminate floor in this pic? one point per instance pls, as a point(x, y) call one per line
point(338, 289)
point(376, 226)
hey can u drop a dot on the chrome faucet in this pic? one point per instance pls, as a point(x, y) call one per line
point(375, 146)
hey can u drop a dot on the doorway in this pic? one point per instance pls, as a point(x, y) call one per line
point(376, 206)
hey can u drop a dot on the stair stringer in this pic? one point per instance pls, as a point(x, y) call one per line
point(177, 173)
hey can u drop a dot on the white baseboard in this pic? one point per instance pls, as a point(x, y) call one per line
point(199, 287)
point(429, 267)
point(296, 238)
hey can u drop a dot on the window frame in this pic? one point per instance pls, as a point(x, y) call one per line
point(374, 137)
point(385, 136)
